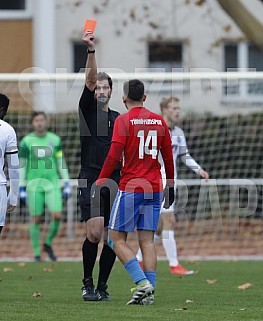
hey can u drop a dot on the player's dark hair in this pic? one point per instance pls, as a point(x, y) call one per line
point(4, 103)
point(38, 113)
point(134, 89)
point(104, 76)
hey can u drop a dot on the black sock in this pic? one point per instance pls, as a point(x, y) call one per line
point(89, 254)
point(107, 260)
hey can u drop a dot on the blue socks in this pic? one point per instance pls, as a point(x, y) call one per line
point(135, 271)
point(151, 276)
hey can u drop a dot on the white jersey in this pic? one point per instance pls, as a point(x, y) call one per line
point(8, 145)
point(180, 149)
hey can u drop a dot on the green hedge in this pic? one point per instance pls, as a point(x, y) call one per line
point(228, 147)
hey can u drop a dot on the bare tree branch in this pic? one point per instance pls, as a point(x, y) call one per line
point(249, 24)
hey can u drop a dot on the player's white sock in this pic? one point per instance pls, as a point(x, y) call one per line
point(139, 253)
point(170, 248)
point(156, 238)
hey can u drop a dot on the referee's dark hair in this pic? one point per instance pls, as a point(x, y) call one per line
point(4, 103)
point(38, 113)
point(104, 76)
point(134, 89)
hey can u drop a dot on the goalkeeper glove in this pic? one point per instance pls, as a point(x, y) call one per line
point(22, 195)
point(168, 196)
point(66, 191)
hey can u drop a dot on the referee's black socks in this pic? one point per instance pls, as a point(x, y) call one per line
point(107, 259)
point(89, 253)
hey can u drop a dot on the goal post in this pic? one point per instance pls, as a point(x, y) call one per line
point(222, 117)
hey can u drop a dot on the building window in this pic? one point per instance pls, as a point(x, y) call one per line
point(231, 57)
point(15, 9)
point(79, 56)
point(167, 55)
point(12, 5)
point(243, 57)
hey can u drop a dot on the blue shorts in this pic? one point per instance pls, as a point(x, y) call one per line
point(135, 210)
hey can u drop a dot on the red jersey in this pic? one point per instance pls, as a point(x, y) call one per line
point(139, 135)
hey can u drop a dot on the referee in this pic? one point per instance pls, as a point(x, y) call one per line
point(96, 128)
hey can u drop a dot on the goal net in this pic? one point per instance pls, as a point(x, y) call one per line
point(222, 117)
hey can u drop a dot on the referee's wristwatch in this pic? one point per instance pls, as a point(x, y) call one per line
point(90, 51)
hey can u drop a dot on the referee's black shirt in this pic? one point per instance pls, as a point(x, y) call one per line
point(96, 129)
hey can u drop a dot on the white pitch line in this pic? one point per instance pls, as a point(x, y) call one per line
point(160, 258)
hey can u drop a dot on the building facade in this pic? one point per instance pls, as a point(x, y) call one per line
point(137, 36)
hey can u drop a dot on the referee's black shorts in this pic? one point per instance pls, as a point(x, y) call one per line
point(88, 210)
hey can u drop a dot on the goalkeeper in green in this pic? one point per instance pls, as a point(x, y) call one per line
point(42, 165)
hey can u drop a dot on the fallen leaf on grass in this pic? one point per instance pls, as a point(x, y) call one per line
point(8, 270)
point(212, 281)
point(191, 262)
point(45, 269)
point(199, 2)
point(21, 264)
point(189, 301)
point(245, 286)
point(36, 294)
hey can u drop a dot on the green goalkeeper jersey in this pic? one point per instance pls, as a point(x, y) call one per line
point(41, 157)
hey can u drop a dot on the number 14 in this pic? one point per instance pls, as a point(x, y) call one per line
point(144, 144)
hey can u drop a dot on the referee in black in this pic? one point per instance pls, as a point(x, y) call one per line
point(96, 128)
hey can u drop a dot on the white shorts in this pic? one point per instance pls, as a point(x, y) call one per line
point(3, 204)
point(167, 210)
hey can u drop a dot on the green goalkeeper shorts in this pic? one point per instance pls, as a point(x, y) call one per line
point(41, 193)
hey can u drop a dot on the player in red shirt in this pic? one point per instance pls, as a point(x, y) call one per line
point(138, 137)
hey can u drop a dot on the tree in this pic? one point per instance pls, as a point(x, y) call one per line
point(249, 24)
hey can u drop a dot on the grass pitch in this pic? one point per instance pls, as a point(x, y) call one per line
point(189, 298)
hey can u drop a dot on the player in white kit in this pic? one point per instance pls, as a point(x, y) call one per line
point(8, 149)
point(170, 109)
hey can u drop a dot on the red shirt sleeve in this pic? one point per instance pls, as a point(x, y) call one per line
point(167, 154)
point(118, 142)
point(120, 130)
point(110, 163)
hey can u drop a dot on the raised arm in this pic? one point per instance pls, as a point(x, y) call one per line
point(91, 65)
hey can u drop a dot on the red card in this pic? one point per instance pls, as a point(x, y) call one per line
point(90, 25)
